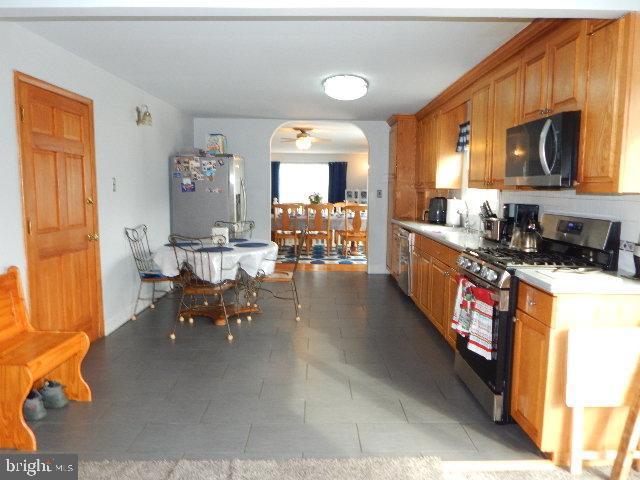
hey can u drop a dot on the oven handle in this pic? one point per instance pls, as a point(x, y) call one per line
point(477, 281)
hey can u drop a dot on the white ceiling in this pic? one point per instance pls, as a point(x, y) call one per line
point(268, 59)
point(344, 138)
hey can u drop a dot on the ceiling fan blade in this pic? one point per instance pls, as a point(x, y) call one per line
point(287, 140)
point(320, 140)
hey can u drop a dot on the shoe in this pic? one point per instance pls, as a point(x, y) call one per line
point(53, 395)
point(33, 408)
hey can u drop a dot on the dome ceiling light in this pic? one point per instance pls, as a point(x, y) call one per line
point(345, 87)
point(303, 142)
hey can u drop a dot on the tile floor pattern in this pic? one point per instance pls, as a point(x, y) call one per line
point(363, 373)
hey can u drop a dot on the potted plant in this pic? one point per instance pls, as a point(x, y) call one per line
point(315, 198)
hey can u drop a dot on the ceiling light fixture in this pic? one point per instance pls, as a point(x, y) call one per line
point(143, 116)
point(345, 87)
point(303, 142)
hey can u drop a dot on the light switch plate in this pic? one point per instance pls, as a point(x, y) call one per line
point(379, 193)
point(627, 246)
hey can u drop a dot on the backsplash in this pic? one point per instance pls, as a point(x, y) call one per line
point(623, 208)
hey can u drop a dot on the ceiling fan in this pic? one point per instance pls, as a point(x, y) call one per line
point(304, 139)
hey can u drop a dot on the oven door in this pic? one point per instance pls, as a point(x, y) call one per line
point(488, 380)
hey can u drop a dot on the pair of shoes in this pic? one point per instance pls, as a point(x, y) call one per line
point(51, 395)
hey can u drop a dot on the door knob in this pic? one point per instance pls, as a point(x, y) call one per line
point(93, 237)
point(90, 201)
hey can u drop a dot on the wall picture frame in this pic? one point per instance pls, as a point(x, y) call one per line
point(348, 196)
point(363, 196)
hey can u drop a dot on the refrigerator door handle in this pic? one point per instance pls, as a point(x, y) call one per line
point(244, 200)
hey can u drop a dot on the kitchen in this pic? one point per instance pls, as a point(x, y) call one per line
point(530, 134)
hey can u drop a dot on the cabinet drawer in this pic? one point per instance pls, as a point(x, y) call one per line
point(437, 250)
point(535, 302)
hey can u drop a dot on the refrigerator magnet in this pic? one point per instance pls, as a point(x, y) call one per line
point(177, 174)
point(187, 185)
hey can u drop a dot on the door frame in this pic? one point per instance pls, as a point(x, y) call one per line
point(20, 79)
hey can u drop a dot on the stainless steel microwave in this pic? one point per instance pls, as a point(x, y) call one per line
point(543, 153)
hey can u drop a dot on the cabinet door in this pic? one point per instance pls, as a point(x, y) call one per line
point(438, 283)
point(598, 167)
point(430, 139)
point(480, 149)
point(534, 81)
point(452, 292)
point(505, 115)
point(424, 299)
point(529, 375)
point(420, 157)
point(567, 67)
point(414, 285)
point(448, 161)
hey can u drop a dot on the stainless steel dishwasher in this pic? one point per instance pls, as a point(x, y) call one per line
point(404, 240)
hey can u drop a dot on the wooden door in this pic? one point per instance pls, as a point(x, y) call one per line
point(479, 149)
point(598, 168)
point(59, 197)
point(448, 160)
point(567, 67)
point(438, 282)
point(529, 373)
point(505, 115)
point(534, 81)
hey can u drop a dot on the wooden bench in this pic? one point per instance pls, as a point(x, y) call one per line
point(28, 356)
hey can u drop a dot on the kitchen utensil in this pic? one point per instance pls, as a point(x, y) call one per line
point(492, 228)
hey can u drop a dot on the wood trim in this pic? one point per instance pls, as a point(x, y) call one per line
point(18, 78)
point(534, 30)
point(393, 119)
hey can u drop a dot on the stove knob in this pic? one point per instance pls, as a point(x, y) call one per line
point(475, 267)
point(491, 275)
point(460, 261)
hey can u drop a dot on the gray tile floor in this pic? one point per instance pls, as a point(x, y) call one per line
point(363, 373)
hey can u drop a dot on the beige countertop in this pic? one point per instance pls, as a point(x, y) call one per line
point(547, 279)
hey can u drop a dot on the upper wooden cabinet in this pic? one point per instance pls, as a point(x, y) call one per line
point(553, 72)
point(448, 164)
point(480, 144)
point(610, 146)
point(402, 154)
point(427, 152)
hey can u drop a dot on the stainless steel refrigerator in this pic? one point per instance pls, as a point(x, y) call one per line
point(204, 190)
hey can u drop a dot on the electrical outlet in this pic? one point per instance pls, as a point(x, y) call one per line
point(627, 246)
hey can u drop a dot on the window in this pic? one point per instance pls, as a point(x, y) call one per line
point(299, 180)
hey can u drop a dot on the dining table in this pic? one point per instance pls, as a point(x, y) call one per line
point(337, 221)
point(252, 257)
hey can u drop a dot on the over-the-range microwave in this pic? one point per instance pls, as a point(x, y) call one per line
point(544, 152)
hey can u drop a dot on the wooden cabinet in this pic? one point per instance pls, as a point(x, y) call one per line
point(609, 148)
point(451, 293)
point(554, 73)
point(448, 162)
point(438, 286)
point(427, 151)
point(504, 115)
point(480, 144)
point(402, 154)
point(415, 284)
point(529, 373)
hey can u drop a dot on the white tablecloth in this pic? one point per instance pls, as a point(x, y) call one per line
point(337, 222)
point(251, 260)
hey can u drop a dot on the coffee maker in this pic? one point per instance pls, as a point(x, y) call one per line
point(517, 215)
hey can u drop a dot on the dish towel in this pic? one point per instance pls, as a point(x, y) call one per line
point(481, 329)
point(461, 320)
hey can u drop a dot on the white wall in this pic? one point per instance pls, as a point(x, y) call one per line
point(251, 138)
point(357, 169)
point(136, 156)
point(623, 208)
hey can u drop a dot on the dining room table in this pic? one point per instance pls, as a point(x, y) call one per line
point(337, 221)
point(248, 257)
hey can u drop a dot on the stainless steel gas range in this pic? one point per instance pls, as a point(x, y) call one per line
point(567, 243)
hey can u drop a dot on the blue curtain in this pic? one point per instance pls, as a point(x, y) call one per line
point(337, 181)
point(275, 180)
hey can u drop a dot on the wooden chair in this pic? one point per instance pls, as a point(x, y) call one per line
point(149, 274)
point(282, 275)
point(286, 225)
point(353, 231)
point(195, 268)
point(27, 356)
point(319, 225)
point(602, 364)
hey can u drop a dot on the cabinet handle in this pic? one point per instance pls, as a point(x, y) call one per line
point(531, 302)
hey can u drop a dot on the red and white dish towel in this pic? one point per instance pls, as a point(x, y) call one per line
point(473, 317)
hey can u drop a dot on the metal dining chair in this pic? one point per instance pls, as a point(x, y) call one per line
point(147, 270)
point(238, 230)
point(284, 276)
point(201, 276)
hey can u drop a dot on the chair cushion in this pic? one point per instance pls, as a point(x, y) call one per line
point(152, 274)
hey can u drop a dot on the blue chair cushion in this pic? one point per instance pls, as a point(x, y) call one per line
point(152, 274)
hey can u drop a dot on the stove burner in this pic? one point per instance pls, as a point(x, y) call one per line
point(510, 257)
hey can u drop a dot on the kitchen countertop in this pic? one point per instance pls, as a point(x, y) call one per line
point(554, 282)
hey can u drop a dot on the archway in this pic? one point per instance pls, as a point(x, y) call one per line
point(330, 159)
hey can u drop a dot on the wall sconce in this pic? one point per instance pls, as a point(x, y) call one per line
point(144, 116)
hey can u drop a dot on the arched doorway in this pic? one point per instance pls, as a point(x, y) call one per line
point(325, 162)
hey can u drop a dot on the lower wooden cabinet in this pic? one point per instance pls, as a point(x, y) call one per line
point(529, 373)
point(433, 283)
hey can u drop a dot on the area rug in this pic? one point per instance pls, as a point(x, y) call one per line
point(319, 256)
point(365, 468)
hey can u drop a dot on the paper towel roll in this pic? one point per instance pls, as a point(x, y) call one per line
point(453, 206)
